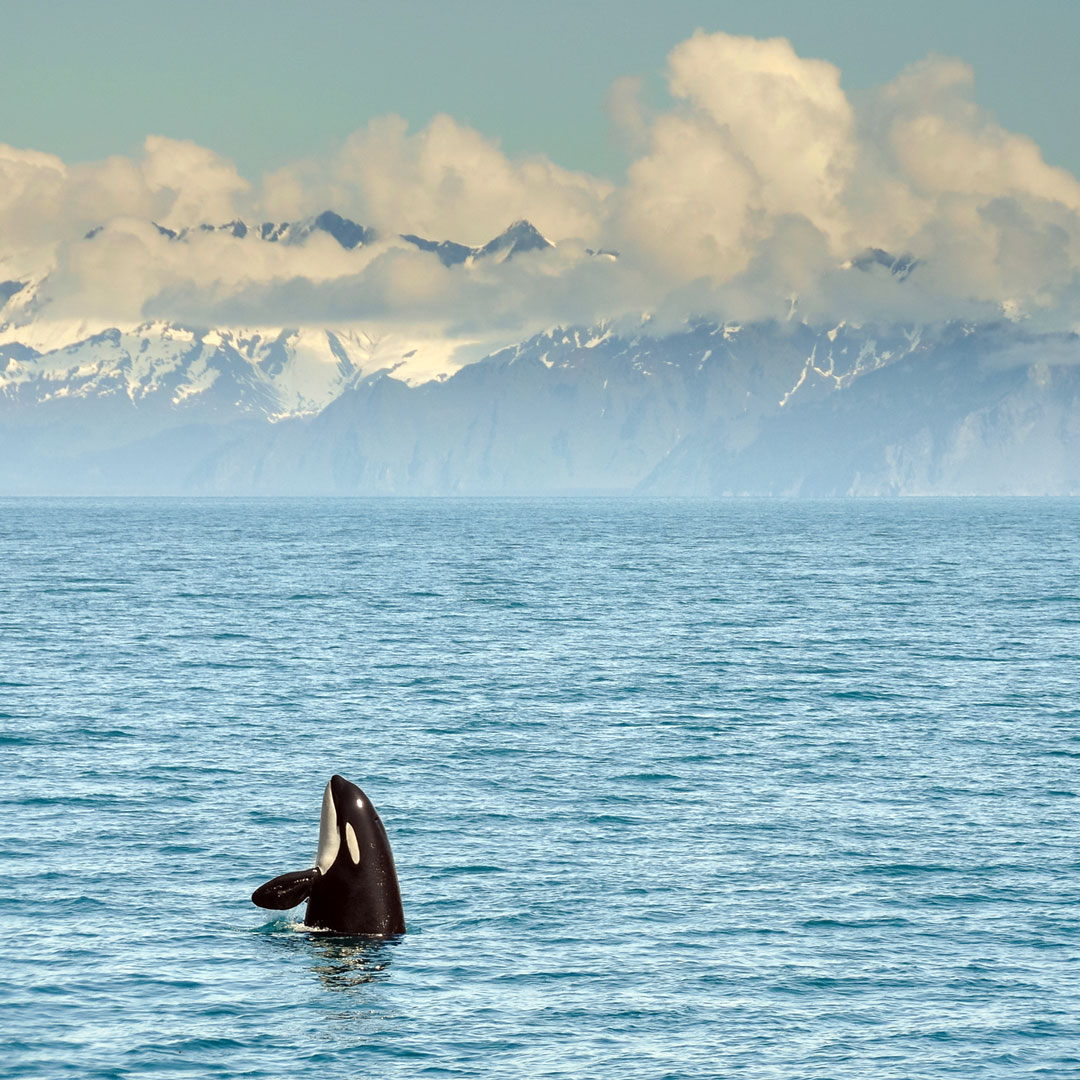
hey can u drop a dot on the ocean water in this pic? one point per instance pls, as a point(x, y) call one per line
point(675, 789)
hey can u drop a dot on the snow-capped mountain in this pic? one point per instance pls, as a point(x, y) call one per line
point(347, 233)
point(272, 371)
point(774, 409)
point(710, 408)
point(778, 409)
point(266, 372)
point(520, 237)
point(516, 239)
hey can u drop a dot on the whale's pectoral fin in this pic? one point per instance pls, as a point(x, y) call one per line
point(286, 890)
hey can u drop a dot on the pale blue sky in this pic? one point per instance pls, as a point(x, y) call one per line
point(266, 82)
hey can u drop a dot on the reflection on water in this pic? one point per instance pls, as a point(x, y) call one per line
point(339, 963)
point(348, 963)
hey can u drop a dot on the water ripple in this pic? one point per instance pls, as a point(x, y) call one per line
point(676, 789)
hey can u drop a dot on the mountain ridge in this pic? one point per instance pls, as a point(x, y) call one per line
point(712, 409)
point(707, 407)
point(517, 238)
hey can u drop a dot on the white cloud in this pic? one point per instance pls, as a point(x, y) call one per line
point(942, 142)
point(755, 185)
point(786, 115)
point(446, 181)
point(43, 201)
point(759, 138)
point(198, 184)
point(31, 186)
point(757, 134)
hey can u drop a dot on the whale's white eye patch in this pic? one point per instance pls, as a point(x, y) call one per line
point(354, 847)
point(329, 840)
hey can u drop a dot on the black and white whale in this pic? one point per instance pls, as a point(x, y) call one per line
point(353, 887)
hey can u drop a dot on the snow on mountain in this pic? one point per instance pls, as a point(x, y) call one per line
point(776, 408)
point(22, 276)
point(347, 233)
point(712, 409)
point(516, 240)
point(278, 371)
point(519, 237)
point(766, 409)
point(273, 372)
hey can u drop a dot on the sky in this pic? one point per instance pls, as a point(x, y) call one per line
point(266, 82)
point(741, 162)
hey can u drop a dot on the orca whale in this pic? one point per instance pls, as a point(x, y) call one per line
point(353, 886)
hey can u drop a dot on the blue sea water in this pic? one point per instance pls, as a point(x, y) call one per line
point(762, 789)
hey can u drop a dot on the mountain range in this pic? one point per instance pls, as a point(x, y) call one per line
point(708, 408)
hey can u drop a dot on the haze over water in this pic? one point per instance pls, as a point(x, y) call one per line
point(675, 788)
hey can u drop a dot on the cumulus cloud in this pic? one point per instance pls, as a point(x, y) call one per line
point(991, 220)
point(750, 194)
point(445, 180)
point(757, 134)
point(760, 139)
point(198, 184)
point(395, 284)
point(31, 186)
point(43, 200)
point(130, 269)
point(943, 142)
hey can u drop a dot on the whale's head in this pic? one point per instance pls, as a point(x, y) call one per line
point(349, 827)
